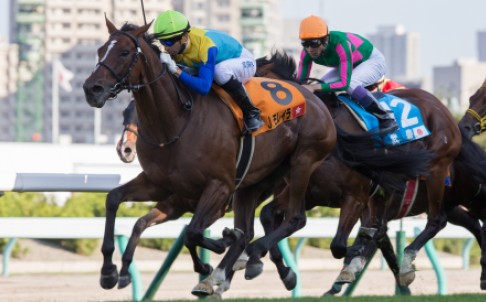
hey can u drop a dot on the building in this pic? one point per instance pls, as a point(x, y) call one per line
point(69, 31)
point(401, 50)
point(481, 36)
point(456, 83)
point(9, 55)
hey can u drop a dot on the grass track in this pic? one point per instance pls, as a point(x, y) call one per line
point(435, 298)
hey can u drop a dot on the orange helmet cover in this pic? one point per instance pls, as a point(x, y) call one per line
point(313, 27)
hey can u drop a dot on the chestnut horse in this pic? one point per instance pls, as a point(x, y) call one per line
point(126, 146)
point(189, 152)
point(444, 142)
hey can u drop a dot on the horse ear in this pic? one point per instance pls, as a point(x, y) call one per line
point(110, 25)
point(142, 29)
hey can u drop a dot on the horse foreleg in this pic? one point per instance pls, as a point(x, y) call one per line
point(109, 274)
point(462, 217)
point(270, 219)
point(386, 247)
point(483, 257)
point(155, 216)
point(407, 268)
point(351, 210)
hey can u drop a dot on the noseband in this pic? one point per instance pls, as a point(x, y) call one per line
point(480, 126)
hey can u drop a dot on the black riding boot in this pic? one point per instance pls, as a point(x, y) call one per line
point(385, 118)
point(251, 114)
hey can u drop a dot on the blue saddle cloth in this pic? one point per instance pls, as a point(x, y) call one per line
point(407, 115)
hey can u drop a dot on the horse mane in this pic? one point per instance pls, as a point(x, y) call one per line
point(149, 38)
point(283, 64)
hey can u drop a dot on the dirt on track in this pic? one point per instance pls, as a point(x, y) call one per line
point(50, 274)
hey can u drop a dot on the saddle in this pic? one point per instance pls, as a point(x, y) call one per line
point(407, 115)
point(277, 100)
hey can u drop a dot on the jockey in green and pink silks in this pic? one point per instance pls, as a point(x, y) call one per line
point(355, 64)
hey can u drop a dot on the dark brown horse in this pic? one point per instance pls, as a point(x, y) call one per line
point(444, 142)
point(189, 150)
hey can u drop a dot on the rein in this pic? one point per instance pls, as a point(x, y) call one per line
point(123, 84)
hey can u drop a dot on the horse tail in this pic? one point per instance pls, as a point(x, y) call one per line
point(391, 168)
point(471, 159)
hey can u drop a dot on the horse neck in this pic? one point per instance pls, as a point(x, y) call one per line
point(159, 108)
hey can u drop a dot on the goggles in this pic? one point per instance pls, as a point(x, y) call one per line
point(311, 43)
point(170, 42)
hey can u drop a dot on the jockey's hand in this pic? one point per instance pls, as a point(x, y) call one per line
point(313, 87)
point(165, 58)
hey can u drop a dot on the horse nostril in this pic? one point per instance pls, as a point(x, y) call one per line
point(127, 150)
point(97, 89)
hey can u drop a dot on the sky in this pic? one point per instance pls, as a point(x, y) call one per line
point(448, 28)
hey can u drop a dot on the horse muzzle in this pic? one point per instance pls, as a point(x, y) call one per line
point(96, 95)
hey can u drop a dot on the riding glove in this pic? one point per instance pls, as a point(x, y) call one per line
point(171, 64)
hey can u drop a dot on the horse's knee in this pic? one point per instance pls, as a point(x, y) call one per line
point(338, 248)
point(112, 201)
point(192, 237)
point(298, 221)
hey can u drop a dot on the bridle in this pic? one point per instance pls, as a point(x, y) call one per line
point(123, 84)
point(480, 126)
point(122, 81)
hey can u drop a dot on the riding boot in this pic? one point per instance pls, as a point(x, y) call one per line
point(251, 114)
point(386, 120)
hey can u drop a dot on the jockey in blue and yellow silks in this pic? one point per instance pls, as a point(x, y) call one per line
point(212, 56)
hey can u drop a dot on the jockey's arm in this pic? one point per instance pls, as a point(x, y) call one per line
point(201, 83)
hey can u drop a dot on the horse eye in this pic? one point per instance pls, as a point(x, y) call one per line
point(125, 53)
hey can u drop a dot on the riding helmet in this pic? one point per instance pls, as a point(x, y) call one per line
point(313, 27)
point(170, 24)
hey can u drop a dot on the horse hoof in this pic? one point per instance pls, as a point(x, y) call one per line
point(404, 291)
point(239, 265)
point(290, 281)
point(483, 284)
point(215, 296)
point(345, 276)
point(203, 289)
point(405, 279)
point(108, 281)
point(124, 281)
point(253, 270)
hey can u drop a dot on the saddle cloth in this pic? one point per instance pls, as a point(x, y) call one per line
point(407, 115)
point(277, 100)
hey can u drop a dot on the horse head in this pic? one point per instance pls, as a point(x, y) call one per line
point(474, 121)
point(119, 66)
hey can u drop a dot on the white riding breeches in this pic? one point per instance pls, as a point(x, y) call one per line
point(242, 68)
point(365, 74)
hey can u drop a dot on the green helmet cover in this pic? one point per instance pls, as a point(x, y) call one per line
point(170, 24)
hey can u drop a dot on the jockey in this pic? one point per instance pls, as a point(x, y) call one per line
point(356, 64)
point(213, 55)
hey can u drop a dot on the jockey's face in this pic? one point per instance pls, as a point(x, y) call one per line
point(315, 47)
point(178, 46)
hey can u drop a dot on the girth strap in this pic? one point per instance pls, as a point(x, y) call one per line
point(245, 157)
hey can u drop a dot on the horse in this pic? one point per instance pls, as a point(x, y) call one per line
point(182, 153)
point(126, 146)
point(444, 142)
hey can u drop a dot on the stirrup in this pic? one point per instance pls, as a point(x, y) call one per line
point(252, 123)
point(387, 126)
